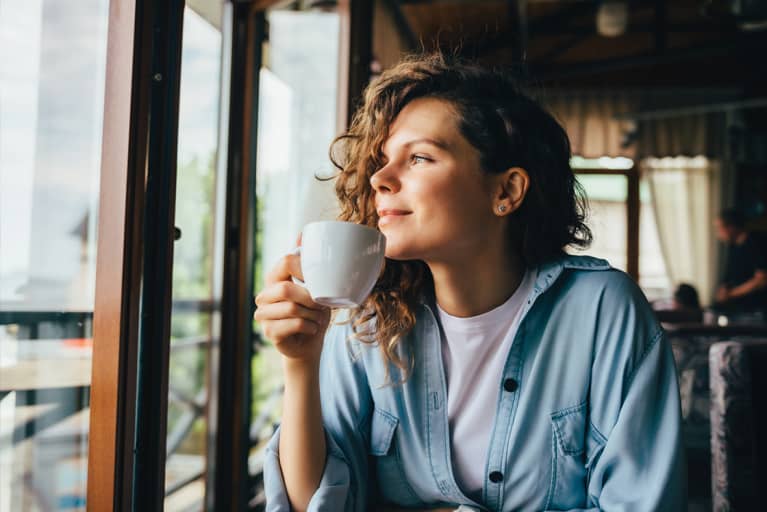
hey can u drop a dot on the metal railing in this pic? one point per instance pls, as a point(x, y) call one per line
point(78, 324)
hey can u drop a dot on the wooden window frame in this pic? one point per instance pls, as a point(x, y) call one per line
point(228, 485)
point(118, 274)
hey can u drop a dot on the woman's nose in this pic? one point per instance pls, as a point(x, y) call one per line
point(385, 179)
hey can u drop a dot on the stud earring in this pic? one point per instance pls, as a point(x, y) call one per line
point(501, 208)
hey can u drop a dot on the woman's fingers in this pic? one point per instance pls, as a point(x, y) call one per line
point(286, 291)
point(286, 310)
point(283, 329)
point(288, 266)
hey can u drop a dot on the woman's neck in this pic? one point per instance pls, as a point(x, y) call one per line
point(472, 286)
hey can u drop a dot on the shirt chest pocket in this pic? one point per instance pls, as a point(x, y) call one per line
point(573, 452)
point(386, 460)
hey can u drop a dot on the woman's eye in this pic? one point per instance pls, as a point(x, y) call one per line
point(419, 159)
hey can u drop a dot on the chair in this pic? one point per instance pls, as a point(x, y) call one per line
point(738, 380)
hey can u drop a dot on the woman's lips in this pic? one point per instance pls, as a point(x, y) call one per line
point(391, 211)
point(387, 215)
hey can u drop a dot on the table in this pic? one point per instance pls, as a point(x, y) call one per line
point(47, 372)
point(717, 331)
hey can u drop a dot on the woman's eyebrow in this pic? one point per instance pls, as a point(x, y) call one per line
point(434, 142)
point(425, 140)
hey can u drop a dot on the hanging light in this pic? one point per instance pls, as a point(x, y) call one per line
point(612, 18)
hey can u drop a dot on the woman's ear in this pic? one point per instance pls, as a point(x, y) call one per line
point(511, 190)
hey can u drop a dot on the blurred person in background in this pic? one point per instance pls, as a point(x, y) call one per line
point(686, 297)
point(743, 288)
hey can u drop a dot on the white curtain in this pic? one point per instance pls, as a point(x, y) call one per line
point(686, 198)
point(596, 124)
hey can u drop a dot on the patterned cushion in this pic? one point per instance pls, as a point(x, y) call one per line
point(738, 436)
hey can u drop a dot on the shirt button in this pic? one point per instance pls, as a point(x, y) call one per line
point(510, 385)
point(496, 477)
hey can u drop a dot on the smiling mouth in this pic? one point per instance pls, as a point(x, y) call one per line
point(388, 216)
point(393, 213)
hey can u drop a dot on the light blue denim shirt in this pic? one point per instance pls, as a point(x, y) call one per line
point(587, 416)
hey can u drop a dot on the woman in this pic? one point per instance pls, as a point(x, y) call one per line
point(488, 368)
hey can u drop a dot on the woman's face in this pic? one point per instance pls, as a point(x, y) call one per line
point(433, 200)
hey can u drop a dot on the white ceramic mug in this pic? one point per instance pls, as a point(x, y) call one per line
point(341, 261)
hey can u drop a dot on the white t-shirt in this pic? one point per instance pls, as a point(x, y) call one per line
point(474, 352)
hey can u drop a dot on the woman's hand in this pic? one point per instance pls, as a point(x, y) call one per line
point(296, 324)
point(288, 315)
point(722, 294)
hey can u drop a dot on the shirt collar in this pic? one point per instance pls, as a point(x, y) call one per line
point(549, 272)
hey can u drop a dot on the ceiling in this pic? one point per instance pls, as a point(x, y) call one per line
point(698, 43)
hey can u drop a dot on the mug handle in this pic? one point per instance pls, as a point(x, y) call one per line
point(297, 251)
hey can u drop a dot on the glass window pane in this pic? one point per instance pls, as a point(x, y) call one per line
point(195, 322)
point(52, 71)
point(296, 123)
point(607, 217)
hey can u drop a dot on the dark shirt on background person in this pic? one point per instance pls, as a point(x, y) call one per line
point(744, 286)
point(743, 262)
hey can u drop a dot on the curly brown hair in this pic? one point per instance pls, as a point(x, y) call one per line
point(507, 127)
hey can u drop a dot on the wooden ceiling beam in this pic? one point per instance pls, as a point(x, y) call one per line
point(555, 23)
point(755, 43)
point(562, 18)
point(507, 39)
point(637, 28)
point(559, 49)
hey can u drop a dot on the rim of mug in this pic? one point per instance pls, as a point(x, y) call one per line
point(342, 222)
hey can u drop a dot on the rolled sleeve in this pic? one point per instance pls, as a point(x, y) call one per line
point(334, 488)
point(346, 403)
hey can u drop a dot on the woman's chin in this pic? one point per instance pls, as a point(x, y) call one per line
point(400, 255)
